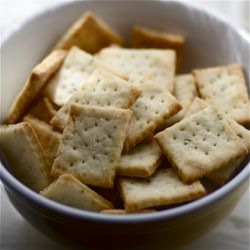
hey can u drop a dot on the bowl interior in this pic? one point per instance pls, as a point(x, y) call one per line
point(210, 41)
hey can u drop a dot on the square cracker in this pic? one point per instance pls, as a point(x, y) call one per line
point(185, 92)
point(48, 138)
point(92, 143)
point(162, 189)
point(34, 85)
point(225, 88)
point(141, 161)
point(89, 33)
point(142, 66)
point(25, 156)
point(70, 191)
point(43, 110)
point(150, 110)
point(102, 89)
point(200, 144)
point(147, 38)
point(223, 175)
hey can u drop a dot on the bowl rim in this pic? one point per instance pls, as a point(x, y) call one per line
point(14, 184)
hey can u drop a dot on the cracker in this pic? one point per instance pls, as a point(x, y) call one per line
point(142, 66)
point(89, 33)
point(200, 144)
point(242, 133)
point(70, 191)
point(185, 92)
point(141, 161)
point(92, 143)
point(149, 111)
point(43, 110)
point(48, 138)
point(123, 211)
point(162, 189)
point(25, 156)
point(148, 38)
point(102, 89)
point(223, 175)
point(225, 88)
point(34, 85)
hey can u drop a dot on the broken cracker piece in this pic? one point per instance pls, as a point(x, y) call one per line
point(70, 191)
point(102, 89)
point(25, 156)
point(89, 33)
point(141, 161)
point(142, 66)
point(92, 143)
point(163, 188)
point(225, 88)
point(200, 144)
point(34, 85)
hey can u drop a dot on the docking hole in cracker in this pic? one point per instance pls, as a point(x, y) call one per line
point(122, 131)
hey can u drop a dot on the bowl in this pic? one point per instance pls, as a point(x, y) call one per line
point(211, 41)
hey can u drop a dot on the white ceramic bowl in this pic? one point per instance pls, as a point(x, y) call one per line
point(210, 41)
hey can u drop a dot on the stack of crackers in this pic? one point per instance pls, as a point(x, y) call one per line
point(114, 130)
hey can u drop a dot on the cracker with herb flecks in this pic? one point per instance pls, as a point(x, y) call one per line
point(92, 143)
point(225, 87)
point(223, 175)
point(200, 144)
